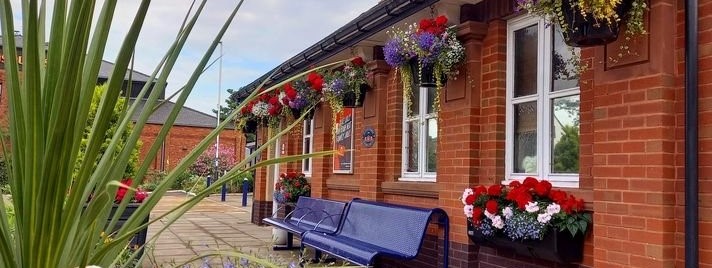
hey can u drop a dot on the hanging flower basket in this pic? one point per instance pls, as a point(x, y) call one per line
point(556, 246)
point(250, 127)
point(585, 31)
point(350, 99)
point(426, 76)
point(296, 113)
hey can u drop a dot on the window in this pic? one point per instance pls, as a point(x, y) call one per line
point(420, 136)
point(542, 137)
point(307, 146)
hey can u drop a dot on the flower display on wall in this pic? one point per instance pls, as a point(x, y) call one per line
point(345, 85)
point(430, 46)
point(524, 211)
point(290, 187)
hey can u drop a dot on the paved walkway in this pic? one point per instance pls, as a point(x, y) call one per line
point(210, 226)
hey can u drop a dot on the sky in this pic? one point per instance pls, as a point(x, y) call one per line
point(264, 34)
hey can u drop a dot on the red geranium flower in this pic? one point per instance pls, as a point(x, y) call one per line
point(558, 196)
point(523, 199)
point(140, 196)
point(515, 184)
point(492, 206)
point(480, 190)
point(358, 61)
point(441, 20)
point(476, 214)
point(530, 182)
point(470, 199)
point(290, 91)
point(494, 190)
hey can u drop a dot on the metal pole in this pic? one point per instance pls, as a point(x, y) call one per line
point(217, 123)
point(245, 189)
point(691, 136)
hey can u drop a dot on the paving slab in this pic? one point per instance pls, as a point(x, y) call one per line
point(209, 227)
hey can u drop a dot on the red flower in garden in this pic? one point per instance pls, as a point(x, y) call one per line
point(316, 81)
point(441, 20)
point(492, 206)
point(358, 61)
point(123, 190)
point(290, 91)
point(140, 196)
point(522, 200)
point(480, 190)
point(542, 188)
point(558, 196)
point(530, 182)
point(470, 199)
point(477, 214)
point(494, 190)
point(515, 184)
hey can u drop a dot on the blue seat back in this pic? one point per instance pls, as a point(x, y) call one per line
point(395, 227)
point(312, 211)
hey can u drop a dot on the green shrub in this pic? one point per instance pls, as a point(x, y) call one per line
point(4, 176)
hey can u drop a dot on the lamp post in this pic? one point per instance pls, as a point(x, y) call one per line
point(223, 191)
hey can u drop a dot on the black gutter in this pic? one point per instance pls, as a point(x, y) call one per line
point(383, 15)
point(691, 137)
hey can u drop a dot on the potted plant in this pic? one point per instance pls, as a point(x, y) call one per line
point(346, 87)
point(426, 54)
point(300, 96)
point(138, 197)
point(289, 188)
point(590, 22)
point(530, 218)
point(266, 110)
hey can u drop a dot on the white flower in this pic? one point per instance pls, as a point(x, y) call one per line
point(468, 210)
point(497, 222)
point(553, 209)
point(465, 194)
point(488, 215)
point(532, 207)
point(260, 109)
point(543, 218)
point(507, 212)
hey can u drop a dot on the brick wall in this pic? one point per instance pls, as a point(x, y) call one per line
point(631, 146)
point(179, 142)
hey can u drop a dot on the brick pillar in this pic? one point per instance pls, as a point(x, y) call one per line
point(321, 166)
point(634, 149)
point(372, 160)
point(262, 201)
point(458, 140)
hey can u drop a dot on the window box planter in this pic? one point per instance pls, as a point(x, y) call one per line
point(350, 99)
point(139, 238)
point(556, 246)
point(587, 32)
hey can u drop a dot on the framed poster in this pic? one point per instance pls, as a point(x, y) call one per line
point(344, 142)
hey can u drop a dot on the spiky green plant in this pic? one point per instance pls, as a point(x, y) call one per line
point(49, 103)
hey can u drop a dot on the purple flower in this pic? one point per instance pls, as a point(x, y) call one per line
point(337, 86)
point(393, 53)
point(426, 40)
point(298, 103)
point(244, 262)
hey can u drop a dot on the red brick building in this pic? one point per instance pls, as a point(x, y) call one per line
point(632, 131)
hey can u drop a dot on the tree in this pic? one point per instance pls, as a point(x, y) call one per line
point(566, 151)
point(119, 110)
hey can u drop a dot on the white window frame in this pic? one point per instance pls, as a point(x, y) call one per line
point(308, 149)
point(543, 98)
point(422, 175)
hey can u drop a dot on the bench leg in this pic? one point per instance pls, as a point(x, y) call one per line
point(290, 243)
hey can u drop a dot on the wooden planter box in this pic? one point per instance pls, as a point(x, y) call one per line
point(556, 246)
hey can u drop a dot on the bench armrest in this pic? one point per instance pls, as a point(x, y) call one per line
point(290, 213)
point(306, 214)
point(328, 216)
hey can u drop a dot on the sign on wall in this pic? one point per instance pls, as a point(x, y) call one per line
point(344, 141)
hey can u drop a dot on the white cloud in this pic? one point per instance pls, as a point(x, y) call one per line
point(264, 34)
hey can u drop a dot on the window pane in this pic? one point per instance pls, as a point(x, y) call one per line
point(411, 144)
point(431, 145)
point(565, 135)
point(307, 127)
point(414, 103)
point(307, 149)
point(525, 60)
point(431, 99)
point(525, 153)
point(564, 60)
point(306, 166)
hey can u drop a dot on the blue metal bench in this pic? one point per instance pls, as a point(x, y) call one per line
point(309, 214)
point(370, 229)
